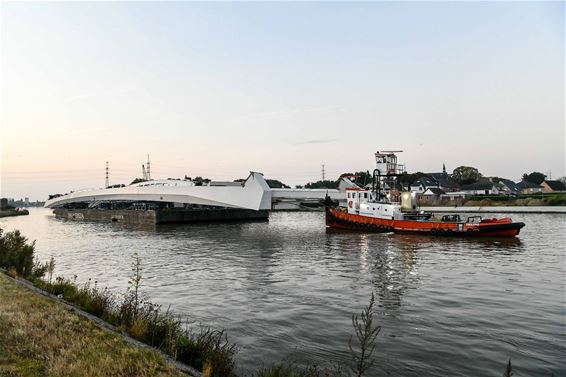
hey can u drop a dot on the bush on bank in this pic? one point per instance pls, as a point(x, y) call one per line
point(16, 256)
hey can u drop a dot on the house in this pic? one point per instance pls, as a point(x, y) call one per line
point(344, 183)
point(526, 187)
point(444, 181)
point(438, 180)
point(508, 187)
point(481, 187)
point(431, 194)
point(422, 184)
point(454, 195)
point(553, 186)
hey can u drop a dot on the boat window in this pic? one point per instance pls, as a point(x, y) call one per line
point(365, 195)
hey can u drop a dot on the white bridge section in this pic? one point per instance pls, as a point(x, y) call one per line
point(253, 194)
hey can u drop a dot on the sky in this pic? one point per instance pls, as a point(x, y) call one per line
point(218, 89)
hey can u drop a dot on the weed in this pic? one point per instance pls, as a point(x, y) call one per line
point(50, 269)
point(366, 335)
point(508, 370)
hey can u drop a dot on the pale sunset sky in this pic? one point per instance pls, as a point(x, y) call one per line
point(218, 89)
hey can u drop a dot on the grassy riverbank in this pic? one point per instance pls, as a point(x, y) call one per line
point(38, 337)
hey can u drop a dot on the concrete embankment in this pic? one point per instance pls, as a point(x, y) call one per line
point(160, 216)
point(42, 337)
point(488, 209)
point(12, 212)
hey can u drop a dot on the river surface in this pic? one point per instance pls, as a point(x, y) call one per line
point(286, 289)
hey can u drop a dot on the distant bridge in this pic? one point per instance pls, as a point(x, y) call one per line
point(253, 194)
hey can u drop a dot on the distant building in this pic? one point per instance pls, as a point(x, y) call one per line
point(431, 194)
point(481, 187)
point(439, 180)
point(444, 181)
point(453, 195)
point(508, 187)
point(527, 187)
point(422, 184)
point(553, 186)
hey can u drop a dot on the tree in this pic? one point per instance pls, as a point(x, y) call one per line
point(534, 177)
point(200, 181)
point(408, 178)
point(562, 179)
point(322, 184)
point(466, 174)
point(274, 183)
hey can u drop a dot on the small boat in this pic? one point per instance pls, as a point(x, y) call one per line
point(374, 211)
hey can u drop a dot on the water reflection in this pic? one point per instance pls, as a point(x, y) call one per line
point(393, 274)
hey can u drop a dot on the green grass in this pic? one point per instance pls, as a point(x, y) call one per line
point(38, 337)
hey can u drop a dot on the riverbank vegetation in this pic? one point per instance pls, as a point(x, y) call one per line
point(38, 337)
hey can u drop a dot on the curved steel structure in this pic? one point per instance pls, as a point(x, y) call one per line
point(253, 194)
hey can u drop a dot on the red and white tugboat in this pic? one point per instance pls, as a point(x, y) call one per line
point(374, 211)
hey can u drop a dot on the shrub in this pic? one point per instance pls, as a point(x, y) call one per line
point(17, 254)
point(555, 200)
point(209, 350)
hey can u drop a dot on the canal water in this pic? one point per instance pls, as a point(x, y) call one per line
point(286, 289)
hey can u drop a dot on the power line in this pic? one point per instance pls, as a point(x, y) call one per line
point(107, 183)
point(148, 169)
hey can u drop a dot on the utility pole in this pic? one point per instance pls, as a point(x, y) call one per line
point(107, 183)
point(323, 173)
point(148, 170)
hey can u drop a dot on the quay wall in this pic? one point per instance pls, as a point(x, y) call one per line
point(160, 216)
point(12, 212)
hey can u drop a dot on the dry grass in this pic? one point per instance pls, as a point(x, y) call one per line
point(40, 338)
